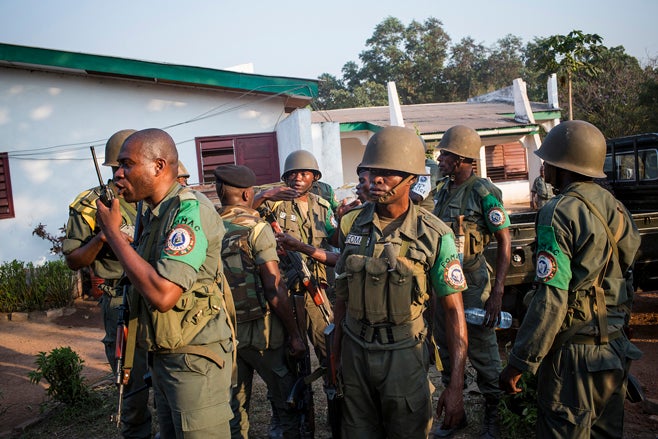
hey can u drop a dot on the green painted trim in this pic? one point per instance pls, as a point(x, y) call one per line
point(346, 127)
point(543, 115)
point(159, 71)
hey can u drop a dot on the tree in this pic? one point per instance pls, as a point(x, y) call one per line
point(566, 55)
point(462, 75)
point(611, 99)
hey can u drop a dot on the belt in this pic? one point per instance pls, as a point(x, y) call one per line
point(385, 333)
point(593, 339)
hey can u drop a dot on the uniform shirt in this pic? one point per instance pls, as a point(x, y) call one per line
point(314, 227)
point(572, 249)
point(325, 191)
point(262, 244)
point(81, 228)
point(479, 200)
point(182, 240)
point(543, 190)
point(430, 242)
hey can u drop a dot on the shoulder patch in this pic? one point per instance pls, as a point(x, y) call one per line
point(180, 240)
point(496, 216)
point(546, 266)
point(453, 275)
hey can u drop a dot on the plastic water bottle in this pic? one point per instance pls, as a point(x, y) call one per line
point(475, 316)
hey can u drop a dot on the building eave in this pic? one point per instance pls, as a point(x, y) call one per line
point(297, 92)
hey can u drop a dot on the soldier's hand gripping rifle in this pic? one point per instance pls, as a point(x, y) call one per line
point(122, 372)
point(296, 262)
point(106, 195)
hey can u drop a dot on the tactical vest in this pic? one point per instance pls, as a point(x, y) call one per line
point(476, 237)
point(203, 302)
point(389, 288)
point(240, 269)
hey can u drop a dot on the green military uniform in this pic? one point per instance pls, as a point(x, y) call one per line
point(543, 190)
point(261, 336)
point(312, 225)
point(426, 184)
point(480, 201)
point(384, 361)
point(581, 380)
point(80, 229)
point(192, 342)
point(325, 191)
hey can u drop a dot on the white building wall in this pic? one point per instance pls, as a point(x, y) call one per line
point(57, 116)
point(322, 140)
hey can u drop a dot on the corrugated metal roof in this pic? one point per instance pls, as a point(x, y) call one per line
point(437, 118)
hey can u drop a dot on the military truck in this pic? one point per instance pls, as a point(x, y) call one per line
point(631, 167)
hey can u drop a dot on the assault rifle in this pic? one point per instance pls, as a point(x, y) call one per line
point(299, 270)
point(301, 394)
point(333, 387)
point(122, 372)
point(106, 195)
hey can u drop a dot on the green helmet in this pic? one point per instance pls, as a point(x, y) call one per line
point(462, 141)
point(397, 149)
point(300, 160)
point(576, 146)
point(113, 146)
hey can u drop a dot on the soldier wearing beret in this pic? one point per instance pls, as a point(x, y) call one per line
point(264, 314)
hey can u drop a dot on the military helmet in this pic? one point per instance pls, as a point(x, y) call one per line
point(397, 149)
point(182, 171)
point(576, 146)
point(462, 141)
point(113, 146)
point(300, 160)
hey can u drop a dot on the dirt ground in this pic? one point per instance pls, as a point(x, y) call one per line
point(82, 330)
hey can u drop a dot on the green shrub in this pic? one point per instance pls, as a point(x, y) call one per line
point(13, 286)
point(62, 369)
point(519, 412)
point(24, 287)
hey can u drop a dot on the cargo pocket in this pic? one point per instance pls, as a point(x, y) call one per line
point(400, 291)
point(206, 418)
point(355, 269)
point(376, 289)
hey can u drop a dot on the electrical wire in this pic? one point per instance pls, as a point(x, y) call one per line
point(45, 152)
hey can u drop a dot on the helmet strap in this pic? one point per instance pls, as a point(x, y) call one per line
point(394, 190)
point(457, 165)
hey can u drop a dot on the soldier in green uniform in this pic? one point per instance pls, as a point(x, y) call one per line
point(176, 273)
point(395, 257)
point(85, 245)
point(572, 335)
point(423, 191)
point(308, 218)
point(263, 310)
point(461, 193)
point(541, 191)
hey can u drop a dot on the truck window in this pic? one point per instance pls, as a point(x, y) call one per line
point(625, 165)
point(649, 164)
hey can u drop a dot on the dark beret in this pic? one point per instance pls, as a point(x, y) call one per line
point(235, 175)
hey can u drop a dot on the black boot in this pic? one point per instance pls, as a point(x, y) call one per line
point(491, 421)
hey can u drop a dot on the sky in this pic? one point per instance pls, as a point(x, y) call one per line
point(303, 39)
